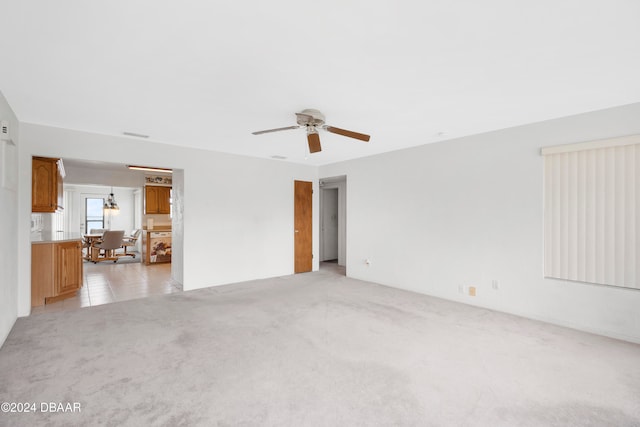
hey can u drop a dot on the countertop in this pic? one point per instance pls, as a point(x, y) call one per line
point(54, 237)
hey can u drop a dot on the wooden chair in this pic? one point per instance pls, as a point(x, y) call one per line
point(111, 240)
point(130, 241)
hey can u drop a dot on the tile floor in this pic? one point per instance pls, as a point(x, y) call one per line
point(107, 282)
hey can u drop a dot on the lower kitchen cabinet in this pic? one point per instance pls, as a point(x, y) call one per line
point(56, 271)
point(156, 247)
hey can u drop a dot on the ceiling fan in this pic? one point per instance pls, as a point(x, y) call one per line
point(313, 120)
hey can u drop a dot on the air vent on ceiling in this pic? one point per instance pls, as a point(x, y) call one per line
point(4, 130)
point(137, 135)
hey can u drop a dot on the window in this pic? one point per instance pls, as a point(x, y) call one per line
point(592, 207)
point(94, 215)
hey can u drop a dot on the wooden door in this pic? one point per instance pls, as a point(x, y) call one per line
point(68, 259)
point(303, 225)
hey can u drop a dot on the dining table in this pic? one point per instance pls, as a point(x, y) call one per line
point(90, 241)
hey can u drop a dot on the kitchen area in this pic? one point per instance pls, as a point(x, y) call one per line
point(156, 231)
point(75, 203)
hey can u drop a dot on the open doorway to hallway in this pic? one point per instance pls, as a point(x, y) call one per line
point(333, 220)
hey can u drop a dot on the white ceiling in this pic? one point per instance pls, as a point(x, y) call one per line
point(206, 74)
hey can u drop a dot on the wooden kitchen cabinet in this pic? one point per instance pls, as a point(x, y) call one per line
point(157, 200)
point(68, 267)
point(156, 246)
point(46, 184)
point(56, 271)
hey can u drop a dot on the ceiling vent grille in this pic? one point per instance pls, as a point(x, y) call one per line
point(4, 130)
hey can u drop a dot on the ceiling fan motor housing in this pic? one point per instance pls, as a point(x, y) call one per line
point(310, 117)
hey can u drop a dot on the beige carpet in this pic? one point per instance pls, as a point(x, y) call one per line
point(314, 349)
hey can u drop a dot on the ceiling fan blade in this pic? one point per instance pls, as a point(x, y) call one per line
point(350, 134)
point(314, 142)
point(260, 132)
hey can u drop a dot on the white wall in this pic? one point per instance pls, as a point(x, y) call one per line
point(237, 211)
point(8, 225)
point(177, 232)
point(469, 211)
point(85, 174)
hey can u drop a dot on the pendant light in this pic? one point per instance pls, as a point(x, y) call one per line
point(110, 205)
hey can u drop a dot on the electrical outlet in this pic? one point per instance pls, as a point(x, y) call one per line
point(472, 291)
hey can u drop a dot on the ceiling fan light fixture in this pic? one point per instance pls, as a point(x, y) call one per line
point(310, 116)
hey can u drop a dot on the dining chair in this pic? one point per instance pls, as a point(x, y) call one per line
point(111, 240)
point(129, 241)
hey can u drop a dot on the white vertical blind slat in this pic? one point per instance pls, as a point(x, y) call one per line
point(590, 209)
point(581, 223)
point(548, 219)
point(564, 215)
point(620, 215)
point(556, 236)
point(634, 229)
point(572, 215)
point(600, 218)
point(610, 217)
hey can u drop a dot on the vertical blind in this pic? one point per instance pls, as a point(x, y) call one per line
point(591, 208)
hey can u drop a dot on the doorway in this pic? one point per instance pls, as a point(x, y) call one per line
point(333, 220)
point(86, 186)
point(329, 224)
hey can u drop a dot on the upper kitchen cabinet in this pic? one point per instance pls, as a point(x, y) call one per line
point(46, 184)
point(157, 200)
